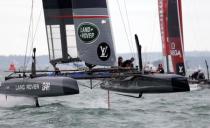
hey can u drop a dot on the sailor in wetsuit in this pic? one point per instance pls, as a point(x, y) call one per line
point(120, 61)
point(160, 69)
point(128, 63)
point(198, 75)
point(57, 71)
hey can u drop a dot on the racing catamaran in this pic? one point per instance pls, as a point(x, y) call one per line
point(79, 30)
point(170, 16)
point(91, 25)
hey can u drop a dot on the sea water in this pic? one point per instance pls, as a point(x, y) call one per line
point(89, 109)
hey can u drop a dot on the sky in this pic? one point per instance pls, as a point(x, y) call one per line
point(143, 20)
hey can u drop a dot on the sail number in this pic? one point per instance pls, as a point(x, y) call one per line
point(88, 32)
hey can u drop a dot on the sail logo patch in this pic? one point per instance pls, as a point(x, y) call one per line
point(103, 51)
point(180, 69)
point(88, 32)
point(174, 51)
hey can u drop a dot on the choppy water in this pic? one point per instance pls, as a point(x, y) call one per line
point(89, 110)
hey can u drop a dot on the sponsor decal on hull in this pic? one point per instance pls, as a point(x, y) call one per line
point(45, 86)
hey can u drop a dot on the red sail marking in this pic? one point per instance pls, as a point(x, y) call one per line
point(163, 17)
point(81, 17)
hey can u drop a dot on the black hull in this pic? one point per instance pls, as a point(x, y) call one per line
point(40, 87)
point(152, 83)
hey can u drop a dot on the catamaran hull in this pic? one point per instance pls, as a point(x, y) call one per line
point(154, 83)
point(40, 87)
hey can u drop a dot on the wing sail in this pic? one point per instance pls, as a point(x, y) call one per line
point(60, 31)
point(176, 36)
point(170, 15)
point(93, 32)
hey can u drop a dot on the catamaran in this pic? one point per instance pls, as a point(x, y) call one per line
point(79, 30)
point(90, 22)
point(170, 17)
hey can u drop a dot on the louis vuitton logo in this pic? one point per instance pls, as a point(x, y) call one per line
point(104, 51)
point(181, 69)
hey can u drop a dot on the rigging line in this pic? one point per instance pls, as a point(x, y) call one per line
point(34, 36)
point(129, 26)
point(152, 41)
point(195, 8)
point(154, 31)
point(124, 26)
point(29, 29)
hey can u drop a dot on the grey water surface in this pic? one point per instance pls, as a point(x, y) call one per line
point(89, 109)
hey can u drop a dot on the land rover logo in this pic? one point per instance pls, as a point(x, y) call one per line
point(88, 32)
point(103, 51)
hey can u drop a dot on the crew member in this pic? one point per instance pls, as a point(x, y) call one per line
point(195, 75)
point(160, 69)
point(198, 75)
point(128, 63)
point(120, 61)
point(201, 76)
point(57, 70)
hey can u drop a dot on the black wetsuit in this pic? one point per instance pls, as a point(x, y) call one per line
point(195, 75)
point(127, 63)
point(160, 70)
point(120, 63)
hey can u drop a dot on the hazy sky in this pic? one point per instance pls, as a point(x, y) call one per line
point(143, 20)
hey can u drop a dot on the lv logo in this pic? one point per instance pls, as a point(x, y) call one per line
point(104, 51)
point(181, 69)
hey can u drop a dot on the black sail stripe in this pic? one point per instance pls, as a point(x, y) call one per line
point(173, 21)
point(89, 4)
point(61, 4)
point(57, 4)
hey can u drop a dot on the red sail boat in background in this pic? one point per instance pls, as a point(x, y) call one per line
point(170, 16)
point(12, 67)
